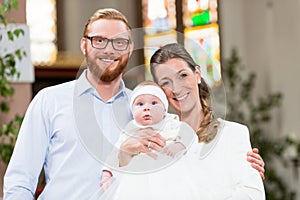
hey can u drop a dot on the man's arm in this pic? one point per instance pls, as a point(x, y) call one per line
point(256, 162)
point(22, 174)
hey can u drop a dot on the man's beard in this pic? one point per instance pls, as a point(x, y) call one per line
point(110, 73)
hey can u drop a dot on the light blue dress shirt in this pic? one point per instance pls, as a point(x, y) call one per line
point(67, 130)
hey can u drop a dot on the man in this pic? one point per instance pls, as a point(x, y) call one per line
point(52, 131)
point(68, 128)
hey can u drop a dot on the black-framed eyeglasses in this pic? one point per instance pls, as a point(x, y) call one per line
point(98, 42)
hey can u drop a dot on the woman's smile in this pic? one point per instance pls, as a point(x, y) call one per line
point(181, 98)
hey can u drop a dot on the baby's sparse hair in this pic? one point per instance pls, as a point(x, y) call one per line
point(151, 88)
point(147, 83)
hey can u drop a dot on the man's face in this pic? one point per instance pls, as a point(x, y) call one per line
point(106, 64)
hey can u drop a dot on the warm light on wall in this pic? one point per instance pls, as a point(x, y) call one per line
point(159, 16)
point(41, 19)
point(156, 9)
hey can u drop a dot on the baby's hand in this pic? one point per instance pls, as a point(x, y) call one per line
point(174, 149)
point(106, 175)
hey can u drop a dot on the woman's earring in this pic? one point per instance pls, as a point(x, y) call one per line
point(199, 81)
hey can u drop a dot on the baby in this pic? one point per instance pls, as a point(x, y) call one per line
point(149, 106)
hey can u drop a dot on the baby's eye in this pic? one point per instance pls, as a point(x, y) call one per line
point(140, 104)
point(154, 102)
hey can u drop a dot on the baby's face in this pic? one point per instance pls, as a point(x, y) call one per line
point(148, 110)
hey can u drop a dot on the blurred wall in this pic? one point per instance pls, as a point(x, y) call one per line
point(266, 34)
point(75, 13)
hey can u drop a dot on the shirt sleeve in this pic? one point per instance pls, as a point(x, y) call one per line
point(29, 154)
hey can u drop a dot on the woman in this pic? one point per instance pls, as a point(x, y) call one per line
point(180, 77)
point(215, 166)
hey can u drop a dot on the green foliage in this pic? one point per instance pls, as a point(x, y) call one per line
point(8, 61)
point(10, 131)
point(6, 7)
point(8, 71)
point(256, 113)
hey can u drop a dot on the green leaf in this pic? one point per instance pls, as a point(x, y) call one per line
point(18, 54)
point(3, 19)
point(4, 128)
point(6, 152)
point(4, 107)
point(19, 31)
point(2, 10)
point(15, 4)
point(10, 35)
point(7, 5)
point(6, 90)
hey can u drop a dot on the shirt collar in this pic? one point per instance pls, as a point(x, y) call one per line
point(84, 86)
point(122, 92)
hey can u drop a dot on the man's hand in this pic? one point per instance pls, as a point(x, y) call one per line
point(106, 175)
point(256, 161)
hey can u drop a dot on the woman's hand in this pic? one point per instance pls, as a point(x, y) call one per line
point(256, 162)
point(142, 142)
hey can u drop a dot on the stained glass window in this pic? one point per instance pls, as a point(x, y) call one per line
point(203, 43)
point(199, 12)
point(201, 32)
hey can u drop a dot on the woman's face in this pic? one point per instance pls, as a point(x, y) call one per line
point(179, 83)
